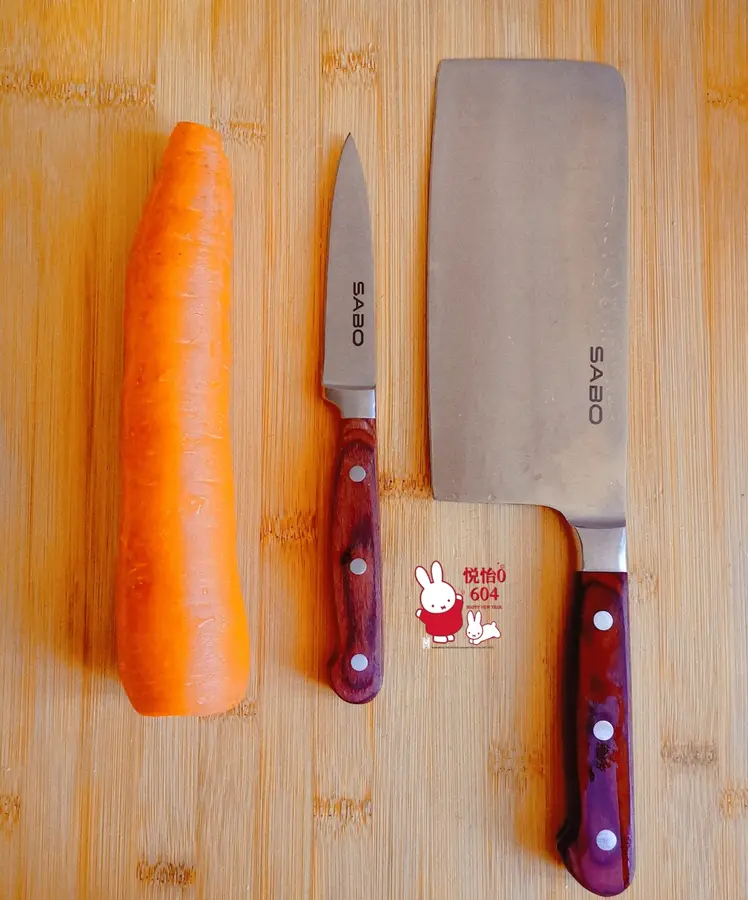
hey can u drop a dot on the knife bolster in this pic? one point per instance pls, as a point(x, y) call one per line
point(603, 549)
point(353, 403)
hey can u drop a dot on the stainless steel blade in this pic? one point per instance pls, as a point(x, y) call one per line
point(349, 372)
point(527, 287)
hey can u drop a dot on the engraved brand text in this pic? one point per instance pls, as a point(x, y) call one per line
point(595, 388)
point(358, 317)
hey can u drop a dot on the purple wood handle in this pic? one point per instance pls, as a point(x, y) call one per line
point(356, 668)
point(597, 840)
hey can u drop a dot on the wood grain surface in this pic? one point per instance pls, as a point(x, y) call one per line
point(447, 785)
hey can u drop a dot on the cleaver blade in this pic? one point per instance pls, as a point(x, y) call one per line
point(527, 373)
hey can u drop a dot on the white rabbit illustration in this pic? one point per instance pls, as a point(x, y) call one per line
point(441, 606)
point(476, 632)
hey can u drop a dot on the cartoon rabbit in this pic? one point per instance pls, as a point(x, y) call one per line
point(441, 607)
point(476, 632)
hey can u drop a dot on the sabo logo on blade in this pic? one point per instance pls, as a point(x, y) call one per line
point(358, 317)
point(596, 390)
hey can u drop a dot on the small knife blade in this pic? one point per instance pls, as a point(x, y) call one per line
point(349, 382)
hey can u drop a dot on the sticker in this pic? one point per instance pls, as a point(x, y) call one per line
point(441, 609)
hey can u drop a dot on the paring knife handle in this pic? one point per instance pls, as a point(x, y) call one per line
point(356, 668)
point(597, 840)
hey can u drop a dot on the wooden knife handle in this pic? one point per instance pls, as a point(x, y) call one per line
point(356, 668)
point(597, 840)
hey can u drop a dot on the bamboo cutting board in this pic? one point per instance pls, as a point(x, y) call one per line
point(448, 785)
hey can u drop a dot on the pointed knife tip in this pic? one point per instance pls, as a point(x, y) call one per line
point(349, 150)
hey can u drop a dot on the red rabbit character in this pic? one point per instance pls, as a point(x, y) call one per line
point(441, 607)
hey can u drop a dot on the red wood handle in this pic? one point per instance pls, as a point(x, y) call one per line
point(597, 840)
point(356, 668)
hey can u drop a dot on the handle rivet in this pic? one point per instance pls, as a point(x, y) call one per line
point(357, 473)
point(358, 566)
point(603, 730)
point(603, 620)
point(606, 840)
point(359, 662)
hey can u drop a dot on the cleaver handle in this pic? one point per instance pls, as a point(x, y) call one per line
point(356, 667)
point(597, 841)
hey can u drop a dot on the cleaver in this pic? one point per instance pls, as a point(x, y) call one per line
point(527, 374)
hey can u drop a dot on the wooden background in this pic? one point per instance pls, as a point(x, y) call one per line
point(448, 785)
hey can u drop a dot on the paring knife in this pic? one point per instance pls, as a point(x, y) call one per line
point(527, 362)
point(349, 381)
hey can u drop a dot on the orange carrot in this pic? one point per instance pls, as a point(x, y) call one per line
point(181, 627)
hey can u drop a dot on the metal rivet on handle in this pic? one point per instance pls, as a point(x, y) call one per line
point(606, 840)
point(358, 566)
point(359, 662)
point(603, 620)
point(357, 473)
point(603, 730)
